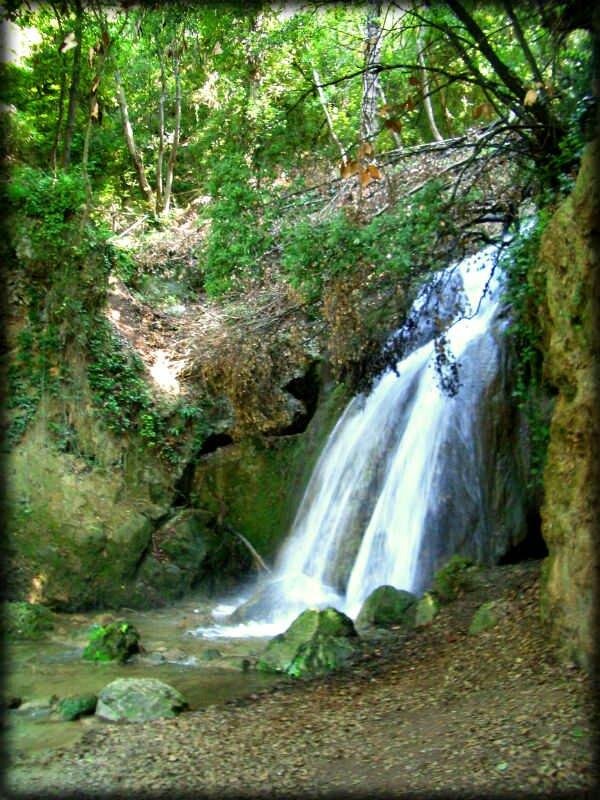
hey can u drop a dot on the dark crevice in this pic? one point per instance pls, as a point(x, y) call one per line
point(305, 388)
point(532, 546)
point(183, 486)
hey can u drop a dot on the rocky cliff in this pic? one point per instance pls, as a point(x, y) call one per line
point(569, 259)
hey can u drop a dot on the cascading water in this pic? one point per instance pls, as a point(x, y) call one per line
point(401, 483)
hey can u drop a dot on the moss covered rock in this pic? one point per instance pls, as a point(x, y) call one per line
point(27, 620)
point(488, 615)
point(318, 641)
point(71, 708)
point(569, 260)
point(116, 641)
point(457, 576)
point(139, 700)
point(427, 609)
point(387, 606)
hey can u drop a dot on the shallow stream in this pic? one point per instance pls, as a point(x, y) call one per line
point(205, 672)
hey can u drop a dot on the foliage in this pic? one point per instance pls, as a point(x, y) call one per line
point(27, 620)
point(399, 242)
point(238, 235)
point(122, 394)
point(524, 292)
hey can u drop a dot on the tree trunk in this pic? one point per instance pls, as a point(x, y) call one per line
point(426, 94)
point(395, 135)
point(369, 125)
point(161, 137)
point(130, 142)
point(324, 106)
point(74, 88)
point(176, 133)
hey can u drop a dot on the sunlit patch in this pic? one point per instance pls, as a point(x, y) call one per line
point(36, 592)
point(164, 373)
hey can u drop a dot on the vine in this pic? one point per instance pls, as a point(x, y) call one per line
point(524, 293)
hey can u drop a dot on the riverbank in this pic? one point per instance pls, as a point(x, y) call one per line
point(439, 710)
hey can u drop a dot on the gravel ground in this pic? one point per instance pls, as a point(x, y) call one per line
point(437, 711)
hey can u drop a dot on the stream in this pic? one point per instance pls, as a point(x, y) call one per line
point(205, 672)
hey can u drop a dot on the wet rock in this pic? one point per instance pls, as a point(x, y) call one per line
point(72, 708)
point(10, 703)
point(315, 643)
point(38, 707)
point(116, 641)
point(211, 654)
point(387, 606)
point(139, 700)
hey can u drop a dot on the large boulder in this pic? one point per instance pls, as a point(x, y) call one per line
point(139, 700)
point(318, 641)
point(27, 620)
point(387, 606)
point(116, 641)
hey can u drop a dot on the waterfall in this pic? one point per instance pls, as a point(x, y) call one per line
point(402, 482)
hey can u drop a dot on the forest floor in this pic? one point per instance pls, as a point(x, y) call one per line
point(434, 711)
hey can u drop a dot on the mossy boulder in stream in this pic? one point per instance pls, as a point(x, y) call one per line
point(318, 641)
point(116, 641)
point(72, 708)
point(27, 620)
point(387, 606)
point(139, 700)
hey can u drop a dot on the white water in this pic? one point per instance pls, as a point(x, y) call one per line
point(363, 516)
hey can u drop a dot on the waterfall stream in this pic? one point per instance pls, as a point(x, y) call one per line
point(402, 482)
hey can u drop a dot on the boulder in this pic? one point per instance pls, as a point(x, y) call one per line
point(487, 616)
point(387, 606)
point(116, 641)
point(71, 708)
point(139, 700)
point(318, 641)
point(427, 608)
point(454, 578)
point(27, 620)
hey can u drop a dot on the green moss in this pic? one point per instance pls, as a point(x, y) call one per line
point(484, 618)
point(116, 641)
point(427, 609)
point(27, 620)
point(387, 606)
point(316, 642)
point(454, 578)
point(72, 708)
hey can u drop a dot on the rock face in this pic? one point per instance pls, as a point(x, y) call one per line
point(387, 606)
point(569, 260)
point(116, 641)
point(315, 643)
point(139, 700)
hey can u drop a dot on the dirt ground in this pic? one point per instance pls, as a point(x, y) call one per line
point(435, 711)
